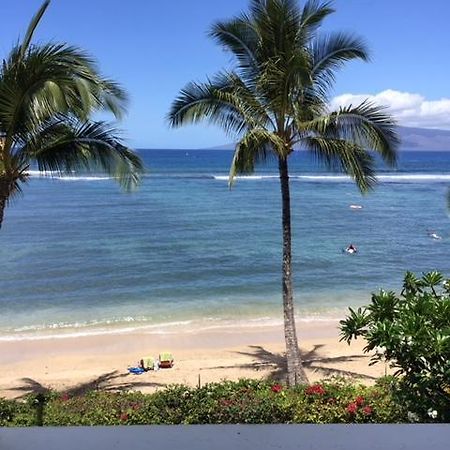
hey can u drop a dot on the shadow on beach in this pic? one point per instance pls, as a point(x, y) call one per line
point(111, 381)
point(312, 360)
point(260, 359)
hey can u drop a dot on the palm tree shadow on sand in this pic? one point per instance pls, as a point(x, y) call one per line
point(114, 381)
point(313, 360)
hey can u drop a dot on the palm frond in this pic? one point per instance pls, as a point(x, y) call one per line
point(205, 101)
point(66, 144)
point(32, 28)
point(368, 125)
point(113, 97)
point(280, 81)
point(11, 180)
point(224, 101)
point(312, 16)
point(329, 53)
point(255, 147)
point(239, 37)
point(307, 104)
point(345, 156)
point(52, 79)
point(277, 24)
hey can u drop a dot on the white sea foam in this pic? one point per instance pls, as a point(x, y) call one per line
point(415, 177)
point(77, 325)
point(75, 330)
point(391, 178)
point(245, 177)
point(122, 326)
point(38, 173)
point(326, 178)
point(58, 176)
point(85, 178)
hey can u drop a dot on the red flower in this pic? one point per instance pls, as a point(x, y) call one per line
point(315, 389)
point(352, 408)
point(64, 397)
point(124, 417)
point(367, 410)
point(359, 400)
point(277, 388)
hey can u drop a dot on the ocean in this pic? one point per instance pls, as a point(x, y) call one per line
point(78, 256)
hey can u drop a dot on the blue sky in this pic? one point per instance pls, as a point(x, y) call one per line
point(153, 48)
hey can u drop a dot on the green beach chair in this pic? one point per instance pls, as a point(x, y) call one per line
point(148, 363)
point(165, 360)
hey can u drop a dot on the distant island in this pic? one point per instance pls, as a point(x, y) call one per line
point(413, 139)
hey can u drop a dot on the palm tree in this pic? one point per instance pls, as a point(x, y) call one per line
point(47, 94)
point(276, 98)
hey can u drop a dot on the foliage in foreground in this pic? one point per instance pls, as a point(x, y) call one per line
point(412, 333)
point(245, 401)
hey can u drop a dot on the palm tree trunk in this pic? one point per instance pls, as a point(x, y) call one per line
point(295, 372)
point(3, 198)
point(2, 210)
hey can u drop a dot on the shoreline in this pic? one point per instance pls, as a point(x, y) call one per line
point(100, 362)
point(174, 327)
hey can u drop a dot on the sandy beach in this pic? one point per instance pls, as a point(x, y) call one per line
point(77, 364)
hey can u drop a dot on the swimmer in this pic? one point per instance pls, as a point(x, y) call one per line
point(351, 249)
point(434, 235)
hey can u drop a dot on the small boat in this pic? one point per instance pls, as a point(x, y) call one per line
point(356, 207)
point(435, 236)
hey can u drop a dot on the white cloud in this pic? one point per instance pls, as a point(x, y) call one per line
point(409, 109)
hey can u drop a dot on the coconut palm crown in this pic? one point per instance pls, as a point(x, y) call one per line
point(48, 93)
point(276, 98)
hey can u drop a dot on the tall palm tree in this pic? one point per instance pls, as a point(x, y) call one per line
point(47, 95)
point(277, 97)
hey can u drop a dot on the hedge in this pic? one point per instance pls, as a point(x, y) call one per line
point(245, 401)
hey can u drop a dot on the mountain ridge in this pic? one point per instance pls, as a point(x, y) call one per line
point(412, 139)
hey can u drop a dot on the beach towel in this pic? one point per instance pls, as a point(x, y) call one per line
point(136, 370)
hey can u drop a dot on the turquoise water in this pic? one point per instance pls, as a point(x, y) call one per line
point(79, 256)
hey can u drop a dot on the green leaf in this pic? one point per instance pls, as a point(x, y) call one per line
point(32, 28)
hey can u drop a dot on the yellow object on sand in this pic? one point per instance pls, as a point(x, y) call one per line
point(149, 362)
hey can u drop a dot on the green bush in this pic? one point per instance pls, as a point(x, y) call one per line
point(14, 413)
point(412, 333)
point(8, 411)
point(96, 408)
point(245, 401)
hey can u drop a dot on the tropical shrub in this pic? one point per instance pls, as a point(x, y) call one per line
point(14, 413)
point(412, 333)
point(245, 401)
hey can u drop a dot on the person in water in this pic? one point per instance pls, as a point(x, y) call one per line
point(351, 249)
point(433, 235)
